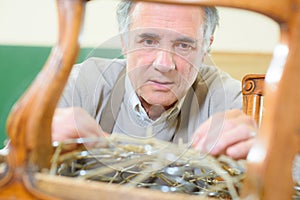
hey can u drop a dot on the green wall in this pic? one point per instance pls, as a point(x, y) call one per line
point(19, 66)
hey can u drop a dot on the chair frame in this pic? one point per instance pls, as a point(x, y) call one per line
point(252, 90)
point(268, 175)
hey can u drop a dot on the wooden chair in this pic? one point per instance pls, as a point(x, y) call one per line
point(268, 175)
point(252, 89)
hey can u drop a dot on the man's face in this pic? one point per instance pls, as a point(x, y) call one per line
point(164, 51)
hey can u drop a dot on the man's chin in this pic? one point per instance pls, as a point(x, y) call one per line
point(159, 101)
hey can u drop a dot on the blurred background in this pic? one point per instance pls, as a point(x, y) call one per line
point(243, 44)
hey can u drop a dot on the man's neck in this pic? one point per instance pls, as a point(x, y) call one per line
point(154, 111)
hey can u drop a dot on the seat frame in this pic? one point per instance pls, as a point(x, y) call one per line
point(268, 175)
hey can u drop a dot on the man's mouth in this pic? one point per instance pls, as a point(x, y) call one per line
point(161, 85)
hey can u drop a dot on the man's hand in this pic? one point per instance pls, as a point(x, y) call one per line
point(74, 122)
point(230, 133)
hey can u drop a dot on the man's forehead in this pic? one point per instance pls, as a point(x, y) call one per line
point(139, 5)
point(169, 5)
point(181, 19)
point(162, 33)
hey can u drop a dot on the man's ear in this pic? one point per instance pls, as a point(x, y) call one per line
point(123, 45)
point(211, 40)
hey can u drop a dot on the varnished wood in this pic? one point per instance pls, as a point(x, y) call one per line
point(277, 9)
point(279, 137)
point(268, 175)
point(29, 123)
point(68, 188)
point(252, 89)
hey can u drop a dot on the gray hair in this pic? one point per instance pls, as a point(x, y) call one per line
point(211, 20)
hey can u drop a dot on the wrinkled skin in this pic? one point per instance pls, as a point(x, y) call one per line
point(161, 67)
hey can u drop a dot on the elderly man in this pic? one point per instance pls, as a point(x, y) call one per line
point(162, 84)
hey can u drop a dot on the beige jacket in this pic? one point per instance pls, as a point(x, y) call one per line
point(91, 83)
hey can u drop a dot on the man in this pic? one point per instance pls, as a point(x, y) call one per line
point(165, 85)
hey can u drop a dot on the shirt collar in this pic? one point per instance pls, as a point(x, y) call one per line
point(137, 107)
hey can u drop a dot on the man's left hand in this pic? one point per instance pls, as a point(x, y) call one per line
point(230, 133)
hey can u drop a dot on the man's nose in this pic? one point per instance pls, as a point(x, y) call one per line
point(164, 61)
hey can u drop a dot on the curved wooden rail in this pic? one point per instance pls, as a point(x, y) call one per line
point(268, 176)
point(29, 123)
point(277, 9)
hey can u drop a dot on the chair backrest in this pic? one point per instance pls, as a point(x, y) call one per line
point(252, 89)
point(268, 176)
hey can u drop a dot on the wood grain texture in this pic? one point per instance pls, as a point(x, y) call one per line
point(29, 123)
point(68, 188)
point(277, 9)
point(269, 174)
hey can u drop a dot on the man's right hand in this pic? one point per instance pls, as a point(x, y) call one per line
point(74, 122)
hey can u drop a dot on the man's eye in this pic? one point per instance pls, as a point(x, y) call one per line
point(150, 43)
point(183, 46)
